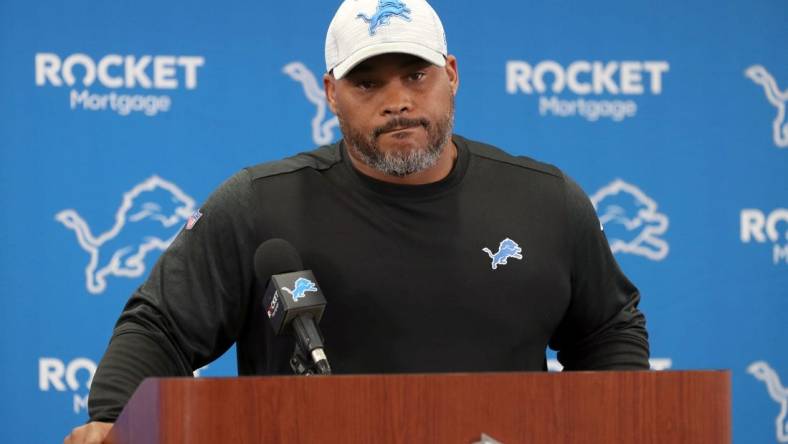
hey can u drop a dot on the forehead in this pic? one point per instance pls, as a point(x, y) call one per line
point(388, 62)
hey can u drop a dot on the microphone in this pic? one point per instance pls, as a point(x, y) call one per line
point(292, 299)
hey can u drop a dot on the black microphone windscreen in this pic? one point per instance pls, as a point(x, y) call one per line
point(276, 256)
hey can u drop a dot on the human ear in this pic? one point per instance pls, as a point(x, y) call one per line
point(452, 73)
point(329, 86)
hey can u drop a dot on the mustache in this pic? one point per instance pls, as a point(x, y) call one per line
point(400, 122)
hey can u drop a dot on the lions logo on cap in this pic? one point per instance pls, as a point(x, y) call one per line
point(386, 10)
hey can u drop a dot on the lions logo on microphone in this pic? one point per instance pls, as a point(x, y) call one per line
point(301, 287)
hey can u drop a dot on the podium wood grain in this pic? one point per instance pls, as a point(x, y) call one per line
point(573, 407)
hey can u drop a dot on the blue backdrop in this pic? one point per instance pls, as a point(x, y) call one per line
point(671, 115)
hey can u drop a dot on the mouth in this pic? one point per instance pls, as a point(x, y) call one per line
point(400, 130)
point(402, 127)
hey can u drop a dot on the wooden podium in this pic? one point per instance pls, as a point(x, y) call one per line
point(574, 407)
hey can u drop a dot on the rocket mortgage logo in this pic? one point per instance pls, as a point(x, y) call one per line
point(592, 90)
point(123, 84)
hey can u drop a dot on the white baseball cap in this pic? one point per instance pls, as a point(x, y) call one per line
point(365, 28)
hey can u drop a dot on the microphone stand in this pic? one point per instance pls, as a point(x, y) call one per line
point(309, 356)
point(304, 366)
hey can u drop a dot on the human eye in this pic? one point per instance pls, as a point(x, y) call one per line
point(416, 76)
point(364, 84)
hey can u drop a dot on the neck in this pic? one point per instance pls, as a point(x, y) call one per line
point(435, 173)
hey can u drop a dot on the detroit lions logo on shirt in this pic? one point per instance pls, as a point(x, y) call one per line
point(507, 249)
point(302, 286)
point(386, 10)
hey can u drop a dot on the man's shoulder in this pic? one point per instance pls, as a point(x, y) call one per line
point(319, 159)
point(495, 154)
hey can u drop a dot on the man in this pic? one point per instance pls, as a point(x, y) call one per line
point(436, 253)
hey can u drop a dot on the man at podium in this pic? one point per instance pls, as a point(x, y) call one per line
point(435, 252)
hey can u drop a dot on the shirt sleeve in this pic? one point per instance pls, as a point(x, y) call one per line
point(191, 308)
point(602, 328)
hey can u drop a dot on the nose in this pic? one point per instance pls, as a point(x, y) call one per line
point(397, 100)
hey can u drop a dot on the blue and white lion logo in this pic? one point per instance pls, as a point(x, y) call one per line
point(779, 394)
point(507, 249)
point(150, 216)
point(302, 286)
point(323, 123)
point(777, 97)
point(386, 10)
point(631, 220)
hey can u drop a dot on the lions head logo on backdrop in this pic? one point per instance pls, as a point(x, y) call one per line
point(322, 125)
point(631, 220)
point(777, 98)
point(779, 394)
point(149, 218)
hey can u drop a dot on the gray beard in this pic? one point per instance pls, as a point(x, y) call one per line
point(400, 163)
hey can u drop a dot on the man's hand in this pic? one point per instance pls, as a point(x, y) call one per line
point(90, 433)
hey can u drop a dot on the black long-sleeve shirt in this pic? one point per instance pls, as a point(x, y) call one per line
point(410, 286)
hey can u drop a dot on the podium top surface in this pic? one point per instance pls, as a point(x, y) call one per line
point(636, 406)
